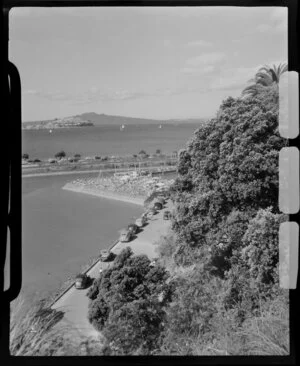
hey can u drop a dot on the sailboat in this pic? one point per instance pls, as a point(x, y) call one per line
point(159, 126)
point(50, 131)
point(122, 127)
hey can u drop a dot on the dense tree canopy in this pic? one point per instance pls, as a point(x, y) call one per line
point(230, 165)
point(222, 255)
point(127, 303)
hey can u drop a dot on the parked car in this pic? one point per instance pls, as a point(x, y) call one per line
point(81, 281)
point(158, 206)
point(126, 236)
point(133, 228)
point(151, 213)
point(141, 221)
point(161, 200)
point(167, 215)
point(153, 263)
point(105, 255)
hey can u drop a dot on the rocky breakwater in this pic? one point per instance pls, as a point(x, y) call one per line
point(133, 189)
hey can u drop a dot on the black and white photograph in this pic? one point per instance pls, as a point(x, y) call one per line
point(150, 179)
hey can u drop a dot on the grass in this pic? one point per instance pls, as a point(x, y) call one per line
point(39, 331)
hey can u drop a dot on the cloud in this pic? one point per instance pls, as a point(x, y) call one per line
point(167, 42)
point(199, 43)
point(233, 78)
point(206, 58)
point(198, 71)
point(94, 95)
point(203, 64)
point(277, 22)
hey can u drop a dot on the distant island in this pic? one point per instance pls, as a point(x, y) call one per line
point(67, 122)
point(95, 119)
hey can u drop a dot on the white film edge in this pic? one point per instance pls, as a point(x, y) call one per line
point(289, 179)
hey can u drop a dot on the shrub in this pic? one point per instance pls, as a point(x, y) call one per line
point(35, 331)
point(61, 154)
point(126, 303)
point(261, 247)
point(25, 156)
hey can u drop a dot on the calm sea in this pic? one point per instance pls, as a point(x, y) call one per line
point(106, 140)
point(62, 230)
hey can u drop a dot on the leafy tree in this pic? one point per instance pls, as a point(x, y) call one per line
point(77, 156)
point(61, 154)
point(158, 151)
point(184, 162)
point(231, 164)
point(25, 156)
point(127, 303)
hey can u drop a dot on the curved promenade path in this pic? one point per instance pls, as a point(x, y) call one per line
point(74, 302)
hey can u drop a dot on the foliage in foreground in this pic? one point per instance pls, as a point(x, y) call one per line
point(227, 219)
point(36, 330)
point(128, 304)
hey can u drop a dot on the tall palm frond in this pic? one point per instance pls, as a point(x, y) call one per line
point(265, 77)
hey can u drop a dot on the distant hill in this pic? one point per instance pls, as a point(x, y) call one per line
point(95, 119)
point(104, 119)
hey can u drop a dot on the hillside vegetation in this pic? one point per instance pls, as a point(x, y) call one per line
point(221, 260)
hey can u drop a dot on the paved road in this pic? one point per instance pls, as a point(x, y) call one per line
point(74, 303)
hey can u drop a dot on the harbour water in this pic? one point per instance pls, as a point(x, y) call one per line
point(63, 230)
point(106, 140)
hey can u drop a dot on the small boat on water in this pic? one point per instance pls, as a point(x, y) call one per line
point(50, 131)
point(122, 127)
point(159, 126)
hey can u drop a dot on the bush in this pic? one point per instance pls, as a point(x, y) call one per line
point(192, 307)
point(35, 331)
point(25, 156)
point(127, 304)
point(230, 164)
point(61, 154)
point(77, 156)
point(261, 247)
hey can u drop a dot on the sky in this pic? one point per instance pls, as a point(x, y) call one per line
point(148, 62)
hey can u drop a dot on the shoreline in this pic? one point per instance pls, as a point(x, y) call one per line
point(104, 194)
point(66, 172)
point(74, 172)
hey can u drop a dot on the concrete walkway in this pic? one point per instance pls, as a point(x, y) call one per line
point(74, 303)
